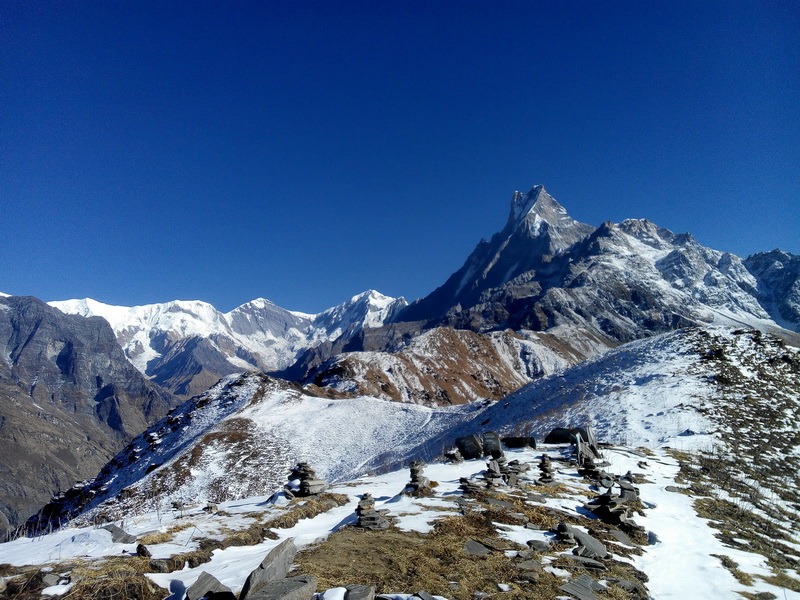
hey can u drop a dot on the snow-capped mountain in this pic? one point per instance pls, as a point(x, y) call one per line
point(186, 346)
point(624, 281)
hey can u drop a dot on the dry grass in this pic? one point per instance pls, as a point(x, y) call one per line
point(436, 562)
point(733, 567)
point(161, 537)
point(113, 579)
point(306, 508)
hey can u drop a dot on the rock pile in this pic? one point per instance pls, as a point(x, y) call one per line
point(368, 517)
point(419, 484)
point(615, 509)
point(468, 486)
point(308, 483)
point(546, 469)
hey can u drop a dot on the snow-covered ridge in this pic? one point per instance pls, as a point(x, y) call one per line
point(258, 335)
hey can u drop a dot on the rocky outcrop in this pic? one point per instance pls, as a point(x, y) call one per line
point(69, 400)
point(450, 366)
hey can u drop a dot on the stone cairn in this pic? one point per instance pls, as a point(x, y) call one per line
point(368, 517)
point(546, 468)
point(616, 509)
point(468, 486)
point(309, 484)
point(419, 483)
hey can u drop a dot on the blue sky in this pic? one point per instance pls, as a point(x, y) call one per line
point(307, 151)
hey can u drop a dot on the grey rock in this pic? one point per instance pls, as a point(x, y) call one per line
point(50, 579)
point(529, 565)
point(539, 545)
point(276, 565)
point(205, 585)
point(588, 563)
point(119, 535)
point(475, 548)
point(491, 445)
point(588, 546)
point(159, 565)
point(294, 588)
point(582, 587)
point(470, 446)
point(360, 592)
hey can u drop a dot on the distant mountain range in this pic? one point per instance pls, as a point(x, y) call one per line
point(545, 293)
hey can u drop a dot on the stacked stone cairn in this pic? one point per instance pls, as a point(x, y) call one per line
point(419, 485)
point(310, 485)
point(494, 474)
point(546, 468)
point(469, 486)
point(616, 509)
point(368, 517)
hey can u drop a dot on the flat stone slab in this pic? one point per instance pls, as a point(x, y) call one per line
point(276, 565)
point(582, 588)
point(294, 588)
point(119, 535)
point(360, 592)
point(206, 585)
point(475, 548)
point(588, 546)
point(585, 562)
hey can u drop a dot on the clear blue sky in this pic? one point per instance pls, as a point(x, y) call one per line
point(307, 151)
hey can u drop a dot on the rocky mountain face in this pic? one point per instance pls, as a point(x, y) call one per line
point(69, 400)
point(623, 281)
point(444, 366)
point(778, 283)
point(186, 346)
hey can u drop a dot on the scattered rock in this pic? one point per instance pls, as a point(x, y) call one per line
point(294, 588)
point(50, 579)
point(276, 565)
point(470, 446)
point(360, 592)
point(582, 587)
point(519, 442)
point(475, 548)
point(119, 535)
point(206, 585)
point(141, 550)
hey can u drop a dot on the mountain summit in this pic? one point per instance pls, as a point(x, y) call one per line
point(538, 228)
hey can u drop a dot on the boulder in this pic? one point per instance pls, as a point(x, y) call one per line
point(119, 535)
point(475, 548)
point(519, 441)
point(293, 588)
point(360, 592)
point(582, 588)
point(50, 579)
point(276, 565)
point(491, 445)
point(470, 446)
point(206, 585)
point(559, 435)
